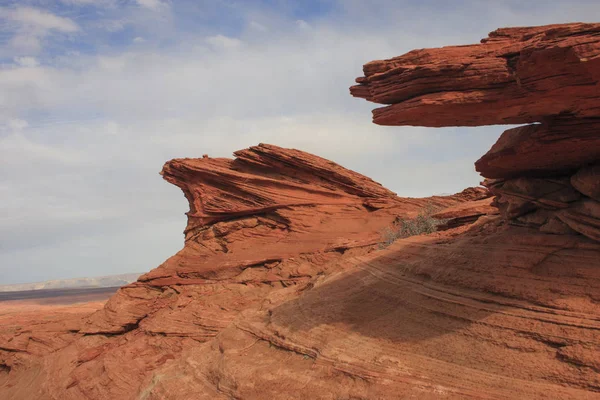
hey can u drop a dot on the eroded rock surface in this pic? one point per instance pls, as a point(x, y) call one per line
point(516, 75)
point(497, 312)
point(281, 292)
point(544, 175)
point(262, 229)
point(545, 179)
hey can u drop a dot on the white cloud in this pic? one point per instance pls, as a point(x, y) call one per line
point(154, 5)
point(302, 24)
point(24, 88)
point(19, 150)
point(87, 2)
point(258, 26)
point(17, 125)
point(138, 39)
point(114, 25)
point(40, 19)
point(26, 43)
point(27, 61)
point(31, 25)
point(223, 42)
point(115, 64)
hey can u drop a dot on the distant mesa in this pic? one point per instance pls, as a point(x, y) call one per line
point(97, 282)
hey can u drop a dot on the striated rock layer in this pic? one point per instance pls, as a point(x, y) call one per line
point(546, 180)
point(281, 290)
point(262, 229)
point(498, 312)
point(516, 75)
point(495, 312)
point(545, 175)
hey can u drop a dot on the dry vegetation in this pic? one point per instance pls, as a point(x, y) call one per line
point(423, 223)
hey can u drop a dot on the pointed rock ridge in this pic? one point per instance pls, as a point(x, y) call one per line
point(262, 228)
point(266, 178)
point(544, 175)
point(302, 211)
point(285, 202)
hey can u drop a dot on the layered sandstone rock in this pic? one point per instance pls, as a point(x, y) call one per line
point(464, 214)
point(544, 175)
point(498, 312)
point(281, 292)
point(516, 75)
point(262, 229)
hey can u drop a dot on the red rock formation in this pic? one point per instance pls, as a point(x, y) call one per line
point(550, 148)
point(281, 292)
point(499, 312)
point(464, 214)
point(262, 228)
point(545, 176)
point(549, 75)
point(516, 75)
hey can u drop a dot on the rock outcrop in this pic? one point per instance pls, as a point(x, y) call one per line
point(516, 75)
point(262, 228)
point(281, 290)
point(544, 175)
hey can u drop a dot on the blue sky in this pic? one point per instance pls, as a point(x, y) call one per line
point(95, 95)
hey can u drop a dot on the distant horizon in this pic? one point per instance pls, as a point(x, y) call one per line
point(98, 95)
point(70, 280)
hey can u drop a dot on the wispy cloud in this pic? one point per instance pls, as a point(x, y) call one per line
point(223, 42)
point(26, 61)
point(31, 25)
point(154, 5)
point(39, 20)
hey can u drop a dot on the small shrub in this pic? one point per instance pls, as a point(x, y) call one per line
point(389, 235)
point(423, 223)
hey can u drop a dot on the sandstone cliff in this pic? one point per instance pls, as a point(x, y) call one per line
point(544, 175)
point(262, 229)
point(280, 290)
